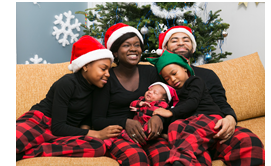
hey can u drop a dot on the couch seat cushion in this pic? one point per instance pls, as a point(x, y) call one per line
point(70, 161)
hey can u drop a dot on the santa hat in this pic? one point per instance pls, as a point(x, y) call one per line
point(164, 37)
point(116, 31)
point(171, 92)
point(85, 50)
point(167, 58)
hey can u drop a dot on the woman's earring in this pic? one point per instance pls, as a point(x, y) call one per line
point(85, 70)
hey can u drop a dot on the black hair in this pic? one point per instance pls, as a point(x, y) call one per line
point(116, 45)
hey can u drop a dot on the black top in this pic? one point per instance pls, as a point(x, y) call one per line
point(67, 102)
point(111, 103)
point(194, 99)
point(216, 90)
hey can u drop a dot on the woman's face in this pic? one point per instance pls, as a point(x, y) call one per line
point(129, 51)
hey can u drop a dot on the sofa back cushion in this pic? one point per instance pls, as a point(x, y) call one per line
point(244, 81)
point(243, 78)
point(33, 82)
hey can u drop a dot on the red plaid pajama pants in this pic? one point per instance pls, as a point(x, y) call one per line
point(243, 149)
point(192, 137)
point(127, 153)
point(34, 138)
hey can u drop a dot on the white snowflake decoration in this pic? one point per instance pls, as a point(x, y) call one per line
point(36, 60)
point(66, 28)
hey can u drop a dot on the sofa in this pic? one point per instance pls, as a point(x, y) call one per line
point(243, 78)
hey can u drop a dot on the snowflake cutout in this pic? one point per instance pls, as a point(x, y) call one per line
point(66, 28)
point(36, 60)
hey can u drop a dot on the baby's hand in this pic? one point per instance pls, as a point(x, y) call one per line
point(142, 103)
point(162, 112)
point(133, 109)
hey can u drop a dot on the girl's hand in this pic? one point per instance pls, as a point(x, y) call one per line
point(162, 112)
point(108, 132)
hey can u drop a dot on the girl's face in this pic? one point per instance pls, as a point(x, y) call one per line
point(175, 75)
point(97, 72)
point(129, 51)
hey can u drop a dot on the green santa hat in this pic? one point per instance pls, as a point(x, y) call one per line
point(167, 58)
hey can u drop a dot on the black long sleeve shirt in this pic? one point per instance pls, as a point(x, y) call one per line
point(216, 89)
point(194, 99)
point(67, 102)
point(111, 103)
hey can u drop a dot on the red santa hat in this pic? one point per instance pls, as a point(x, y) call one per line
point(85, 50)
point(116, 31)
point(171, 92)
point(164, 37)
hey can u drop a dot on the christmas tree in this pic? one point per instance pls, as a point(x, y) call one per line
point(154, 18)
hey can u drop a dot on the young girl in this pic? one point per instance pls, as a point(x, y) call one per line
point(52, 127)
point(196, 114)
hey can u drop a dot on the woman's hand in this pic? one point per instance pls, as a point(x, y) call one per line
point(135, 131)
point(108, 132)
point(155, 126)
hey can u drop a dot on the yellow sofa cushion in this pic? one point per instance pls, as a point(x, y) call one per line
point(68, 161)
point(244, 81)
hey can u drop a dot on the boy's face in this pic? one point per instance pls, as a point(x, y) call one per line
point(155, 93)
point(175, 75)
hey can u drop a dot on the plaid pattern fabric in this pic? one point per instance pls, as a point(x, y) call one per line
point(144, 113)
point(243, 149)
point(34, 138)
point(191, 138)
point(130, 154)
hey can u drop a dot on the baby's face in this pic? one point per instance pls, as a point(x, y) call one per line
point(155, 93)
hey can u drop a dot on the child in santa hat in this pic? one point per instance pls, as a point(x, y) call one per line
point(52, 127)
point(194, 116)
point(159, 95)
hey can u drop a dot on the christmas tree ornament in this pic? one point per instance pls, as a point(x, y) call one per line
point(66, 28)
point(225, 33)
point(126, 18)
point(144, 30)
point(180, 21)
point(207, 57)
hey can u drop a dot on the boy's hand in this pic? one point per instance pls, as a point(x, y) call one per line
point(162, 112)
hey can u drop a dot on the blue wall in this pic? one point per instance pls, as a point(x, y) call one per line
point(34, 28)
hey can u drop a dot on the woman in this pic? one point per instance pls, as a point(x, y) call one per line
point(128, 81)
point(51, 127)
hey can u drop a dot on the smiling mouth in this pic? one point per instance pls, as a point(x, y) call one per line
point(104, 81)
point(133, 57)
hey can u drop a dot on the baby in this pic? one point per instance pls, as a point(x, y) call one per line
point(157, 96)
